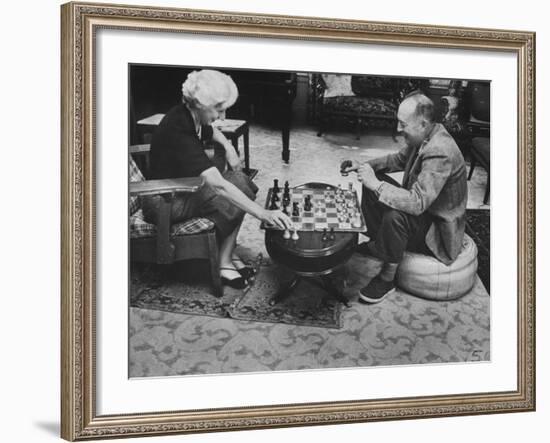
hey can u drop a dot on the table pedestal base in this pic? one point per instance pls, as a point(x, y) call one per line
point(324, 282)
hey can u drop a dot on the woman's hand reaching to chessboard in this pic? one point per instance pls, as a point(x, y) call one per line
point(276, 218)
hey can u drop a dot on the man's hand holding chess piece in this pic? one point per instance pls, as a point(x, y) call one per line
point(365, 173)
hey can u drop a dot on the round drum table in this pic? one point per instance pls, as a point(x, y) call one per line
point(315, 255)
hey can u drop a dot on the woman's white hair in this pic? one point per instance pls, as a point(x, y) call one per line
point(209, 89)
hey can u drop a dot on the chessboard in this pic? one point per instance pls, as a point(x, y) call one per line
point(317, 209)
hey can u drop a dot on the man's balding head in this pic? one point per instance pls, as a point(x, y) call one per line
point(415, 118)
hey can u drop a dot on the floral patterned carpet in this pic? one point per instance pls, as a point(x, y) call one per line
point(188, 292)
point(403, 329)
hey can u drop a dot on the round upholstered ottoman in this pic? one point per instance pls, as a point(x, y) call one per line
point(427, 277)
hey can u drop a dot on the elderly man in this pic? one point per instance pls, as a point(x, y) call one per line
point(426, 213)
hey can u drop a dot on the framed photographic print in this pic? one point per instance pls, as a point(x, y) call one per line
point(283, 221)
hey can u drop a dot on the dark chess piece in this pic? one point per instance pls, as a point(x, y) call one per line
point(286, 197)
point(324, 238)
point(295, 209)
point(273, 205)
point(285, 210)
point(332, 235)
point(276, 186)
point(287, 187)
point(275, 197)
point(307, 203)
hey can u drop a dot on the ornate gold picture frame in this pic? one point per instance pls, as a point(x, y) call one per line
point(80, 23)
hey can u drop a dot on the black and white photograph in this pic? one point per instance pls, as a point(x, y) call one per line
point(283, 221)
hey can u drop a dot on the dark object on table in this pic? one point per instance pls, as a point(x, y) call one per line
point(295, 209)
point(286, 197)
point(307, 203)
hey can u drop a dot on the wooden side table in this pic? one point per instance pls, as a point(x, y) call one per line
point(232, 129)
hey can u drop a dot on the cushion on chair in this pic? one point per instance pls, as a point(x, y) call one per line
point(338, 85)
point(139, 228)
point(192, 226)
point(135, 176)
point(427, 277)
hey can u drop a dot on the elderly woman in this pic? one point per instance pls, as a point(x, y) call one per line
point(177, 150)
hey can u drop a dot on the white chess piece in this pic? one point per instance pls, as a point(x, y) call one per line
point(295, 235)
point(286, 234)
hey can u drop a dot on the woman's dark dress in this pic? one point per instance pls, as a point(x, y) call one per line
point(177, 151)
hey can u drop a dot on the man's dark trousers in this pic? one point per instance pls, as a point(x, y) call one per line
point(393, 232)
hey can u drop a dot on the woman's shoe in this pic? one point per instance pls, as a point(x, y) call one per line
point(247, 272)
point(235, 283)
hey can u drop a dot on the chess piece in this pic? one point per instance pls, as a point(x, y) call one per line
point(286, 234)
point(287, 188)
point(356, 222)
point(273, 204)
point(276, 186)
point(286, 195)
point(275, 197)
point(285, 210)
point(295, 235)
point(319, 210)
point(295, 209)
point(324, 238)
point(332, 236)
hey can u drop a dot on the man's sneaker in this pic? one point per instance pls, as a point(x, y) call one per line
point(376, 290)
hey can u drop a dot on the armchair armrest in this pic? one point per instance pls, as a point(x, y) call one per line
point(165, 186)
point(165, 250)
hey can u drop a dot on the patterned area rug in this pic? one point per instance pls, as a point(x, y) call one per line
point(307, 304)
point(186, 291)
point(479, 228)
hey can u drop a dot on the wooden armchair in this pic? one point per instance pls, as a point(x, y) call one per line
point(165, 243)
